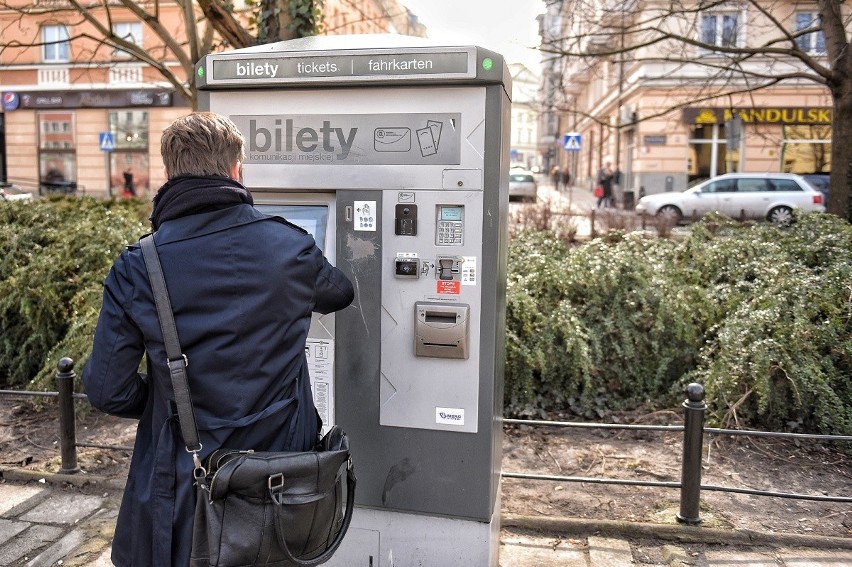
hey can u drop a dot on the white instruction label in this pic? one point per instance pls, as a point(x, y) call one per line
point(365, 216)
point(468, 271)
point(320, 353)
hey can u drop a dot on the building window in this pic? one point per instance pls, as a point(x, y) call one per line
point(806, 149)
point(57, 153)
point(129, 172)
point(812, 42)
point(707, 144)
point(56, 47)
point(130, 32)
point(720, 29)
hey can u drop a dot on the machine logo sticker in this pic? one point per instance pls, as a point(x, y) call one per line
point(352, 139)
point(449, 416)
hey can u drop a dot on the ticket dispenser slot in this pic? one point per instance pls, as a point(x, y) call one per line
point(441, 330)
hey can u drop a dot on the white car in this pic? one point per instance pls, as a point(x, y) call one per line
point(770, 196)
point(12, 193)
point(522, 185)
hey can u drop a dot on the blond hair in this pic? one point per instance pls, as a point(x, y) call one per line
point(201, 143)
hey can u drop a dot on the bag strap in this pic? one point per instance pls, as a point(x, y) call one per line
point(338, 538)
point(176, 360)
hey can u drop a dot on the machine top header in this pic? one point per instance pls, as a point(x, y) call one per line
point(350, 60)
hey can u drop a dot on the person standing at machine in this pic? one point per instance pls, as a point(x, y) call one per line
point(243, 286)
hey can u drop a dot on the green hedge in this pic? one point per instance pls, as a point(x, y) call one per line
point(760, 315)
point(56, 253)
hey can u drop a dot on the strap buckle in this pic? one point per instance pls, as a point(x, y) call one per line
point(178, 360)
point(275, 483)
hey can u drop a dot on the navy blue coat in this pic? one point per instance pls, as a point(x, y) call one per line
point(242, 286)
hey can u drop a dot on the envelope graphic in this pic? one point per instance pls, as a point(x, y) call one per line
point(392, 139)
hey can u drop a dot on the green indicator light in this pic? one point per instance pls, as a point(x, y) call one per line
point(487, 63)
point(201, 71)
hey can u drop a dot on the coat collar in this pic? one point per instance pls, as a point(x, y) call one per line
point(192, 226)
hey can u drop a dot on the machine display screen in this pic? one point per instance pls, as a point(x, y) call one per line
point(451, 214)
point(313, 218)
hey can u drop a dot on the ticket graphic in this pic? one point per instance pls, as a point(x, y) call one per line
point(428, 147)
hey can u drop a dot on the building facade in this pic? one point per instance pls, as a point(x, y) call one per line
point(525, 112)
point(670, 111)
point(80, 116)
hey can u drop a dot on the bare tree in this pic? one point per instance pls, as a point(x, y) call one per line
point(714, 51)
point(185, 37)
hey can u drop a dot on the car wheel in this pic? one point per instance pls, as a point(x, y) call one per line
point(780, 215)
point(670, 212)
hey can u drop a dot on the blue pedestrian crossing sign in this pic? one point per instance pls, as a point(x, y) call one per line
point(572, 142)
point(107, 142)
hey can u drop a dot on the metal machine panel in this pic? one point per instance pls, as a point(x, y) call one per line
point(416, 167)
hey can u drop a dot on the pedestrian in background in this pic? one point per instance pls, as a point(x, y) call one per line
point(605, 177)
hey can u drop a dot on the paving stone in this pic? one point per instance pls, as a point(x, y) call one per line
point(104, 559)
point(12, 495)
point(63, 508)
point(519, 550)
point(677, 556)
point(27, 541)
point(10, 528)
point(612, 552)
point(58, 550)
point(816, 557)
point(732, 558)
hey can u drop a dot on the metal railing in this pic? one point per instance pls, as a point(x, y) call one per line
point(693, 440)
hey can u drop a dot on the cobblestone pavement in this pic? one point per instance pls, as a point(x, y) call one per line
point(69, 520)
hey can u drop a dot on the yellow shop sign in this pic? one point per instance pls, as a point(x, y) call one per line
point(763, 115)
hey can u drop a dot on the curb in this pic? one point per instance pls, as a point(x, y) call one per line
point(680, 533)
point(79, 480)
point(677, 533)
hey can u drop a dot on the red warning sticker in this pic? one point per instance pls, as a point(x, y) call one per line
point(447, 287)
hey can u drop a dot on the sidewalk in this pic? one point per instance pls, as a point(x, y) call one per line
point(68, 520)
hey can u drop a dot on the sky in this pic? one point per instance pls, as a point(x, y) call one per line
point(505, 26)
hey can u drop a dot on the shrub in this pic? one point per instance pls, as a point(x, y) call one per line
point(760, 315)
point(57, 252)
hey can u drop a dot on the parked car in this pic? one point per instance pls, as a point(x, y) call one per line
point(820, 181)
point(522, 186)
point(12, 193)
point(769, 196)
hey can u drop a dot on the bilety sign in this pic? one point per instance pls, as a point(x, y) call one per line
point(352, 139)
point(285, 67)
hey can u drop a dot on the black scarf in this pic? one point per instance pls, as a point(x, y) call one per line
point(189, 195)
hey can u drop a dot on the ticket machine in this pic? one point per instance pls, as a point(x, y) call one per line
point(394, 154)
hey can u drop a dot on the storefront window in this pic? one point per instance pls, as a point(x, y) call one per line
point(806, 149)
point(57, 153)
point(129, 174)
point(706, 152)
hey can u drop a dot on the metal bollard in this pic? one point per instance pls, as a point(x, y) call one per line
point(693, 441)
point(67, 428)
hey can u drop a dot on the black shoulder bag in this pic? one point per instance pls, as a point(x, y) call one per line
point(257, 508)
